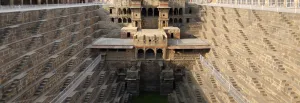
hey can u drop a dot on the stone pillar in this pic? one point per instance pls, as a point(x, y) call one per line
point(267, 3)
point(296, 3)
point(11, 2)
point(133, 80)
point(39, 2)
point(166, 81)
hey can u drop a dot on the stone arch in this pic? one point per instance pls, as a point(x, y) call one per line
point(140, 53)
point(150, 54)
point(124, 11)
point(171, 11)
point(119, 11)
point(180, 20)
point(128, 11)
point(190, 10)
point(175, 11)
point(110, 11)
point(172, 35)
point(150, 12)
point(180, 11)
point(42, 2)
point(112, 19)
point(144, 12)
point(170, 21)
point(175, 20)
point(136, 24)
point(119, 20)
point(159, 53)
point(164, 24)
point(156, 12)
point(124, 20)
point(129, 20)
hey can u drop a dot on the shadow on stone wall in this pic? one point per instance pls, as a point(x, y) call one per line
point(110, 30)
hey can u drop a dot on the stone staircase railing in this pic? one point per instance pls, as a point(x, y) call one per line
point(238, 97)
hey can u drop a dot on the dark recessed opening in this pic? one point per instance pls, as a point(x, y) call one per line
point(112, 20)
point(128, 34)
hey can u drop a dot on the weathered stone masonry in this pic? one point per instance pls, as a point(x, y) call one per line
point(257, 51)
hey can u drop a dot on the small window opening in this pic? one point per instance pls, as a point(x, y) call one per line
point(187, 20)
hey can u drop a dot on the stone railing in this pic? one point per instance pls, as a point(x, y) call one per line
point(238, 97)
point(291, 7)
point(13, 8)
point(93, 65)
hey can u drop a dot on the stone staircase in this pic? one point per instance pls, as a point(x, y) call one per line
point(259, 87)
point(225, 28)
point(234, 84)
point(231, 65)
point(38, 26)
point(288, 90)
point(240, 23)
point(40, 88)
point(237, 12)
point(16, 18)
point(213, 98)
point(263, 29)
point(113, 91)
point(102, 95)
point(70, 65)
point(87, 82)
point(33, 41)
point(243, 34)
point(296, 37)
point(4, 35)
point(214, 23)
point(285, 19)
point(278, 65)
point(256, 15)
point(252, 66)
point(111, 78)
point(269, 45)
point(66, 83)
point(87, 97)
point(22, 64)
point(101, 78)
point(229, 51)
point(199, 80)
point(49, 65)
point(247, 49)
point(224, 19)
point(9, 92)
point(199, 96)
point(214, 53)
point(54, 47)
point(213, 81)
point(68, 100)
point(71, 52)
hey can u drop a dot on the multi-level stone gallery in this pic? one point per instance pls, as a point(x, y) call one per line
point(149, 51)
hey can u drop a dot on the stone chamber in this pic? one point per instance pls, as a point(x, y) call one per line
point(46, 56)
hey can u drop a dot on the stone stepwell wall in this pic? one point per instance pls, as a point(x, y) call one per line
point(257, 50)
point(39, 50)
